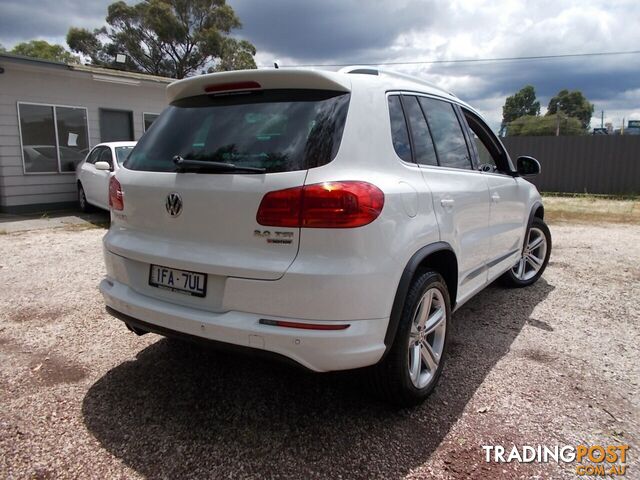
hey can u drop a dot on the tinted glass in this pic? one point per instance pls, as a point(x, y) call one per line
point(116, 125)
point(93, 156)
point(149, 118)
point(447, 133)
point(38, 138)
point(422, 143)
point(105, 156)
point(72, 136)
point(491, 155)
point(484, 156)
point(279, 130)
point(122, 153)
point(399, 133)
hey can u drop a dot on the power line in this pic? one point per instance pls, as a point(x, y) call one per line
point(469, 60)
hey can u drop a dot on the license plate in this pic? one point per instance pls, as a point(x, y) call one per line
point(181, 281)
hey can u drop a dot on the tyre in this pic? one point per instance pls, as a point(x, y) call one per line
point(534, 259)
point(82, 200)
point(411, 369)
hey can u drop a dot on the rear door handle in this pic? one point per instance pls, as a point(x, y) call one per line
point(495, 198)
point(447, 202)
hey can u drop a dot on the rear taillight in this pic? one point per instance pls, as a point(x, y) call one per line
point(116, 198)
point(322, 205)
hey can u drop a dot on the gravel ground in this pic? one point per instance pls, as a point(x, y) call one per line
point(81, 397)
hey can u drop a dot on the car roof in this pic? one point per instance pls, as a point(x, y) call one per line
point(116, 144)
point(346, 80)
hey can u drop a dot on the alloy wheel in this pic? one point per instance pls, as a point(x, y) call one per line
point(533, 255)
point(426, 339)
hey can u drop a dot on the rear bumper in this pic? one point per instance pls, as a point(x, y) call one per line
point(360, 345)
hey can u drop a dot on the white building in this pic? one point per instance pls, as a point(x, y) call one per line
point(51, 114)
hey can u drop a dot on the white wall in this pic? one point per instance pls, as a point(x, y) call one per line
point(46, 84)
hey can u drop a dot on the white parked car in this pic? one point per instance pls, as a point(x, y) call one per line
point(337, 219)
point(92, 174)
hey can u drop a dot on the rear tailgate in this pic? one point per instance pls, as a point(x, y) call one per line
point(216, 232)
point(282, 123)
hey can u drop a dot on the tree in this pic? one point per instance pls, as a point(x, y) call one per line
point(45, 51)
point(518, 105)
point(531, 125)
point(572, 104)
point(173, 38)
point(235, 56)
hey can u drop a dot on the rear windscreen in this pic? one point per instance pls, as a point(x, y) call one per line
point(278, 130)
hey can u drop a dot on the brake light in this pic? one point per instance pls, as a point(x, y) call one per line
point(226, 87)
point(116, 197)
point(347, 204)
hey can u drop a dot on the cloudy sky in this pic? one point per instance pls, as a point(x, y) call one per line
point(321, 32)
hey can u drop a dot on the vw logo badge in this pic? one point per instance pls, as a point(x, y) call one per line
point(173, 204)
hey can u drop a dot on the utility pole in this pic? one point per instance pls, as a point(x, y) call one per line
point(602, 119)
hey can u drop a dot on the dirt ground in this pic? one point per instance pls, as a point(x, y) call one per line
point(81, 397)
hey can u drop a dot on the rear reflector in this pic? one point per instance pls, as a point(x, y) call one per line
point(304, 326)
point(347, 204)
point(116, 197)
point(228, 87)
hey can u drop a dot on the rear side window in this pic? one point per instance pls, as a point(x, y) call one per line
point(447, 133)
point(399, 132)
point(422, 143)
point(278, 130)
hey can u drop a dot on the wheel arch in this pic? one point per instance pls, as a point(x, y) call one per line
point(438, 256)
point(537, 210)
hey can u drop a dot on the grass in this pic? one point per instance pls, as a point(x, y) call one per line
point(603, 196)
point(591, 208)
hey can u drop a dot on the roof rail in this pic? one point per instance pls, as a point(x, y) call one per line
point(366, 70)
point(369, 70)
point(415, 79)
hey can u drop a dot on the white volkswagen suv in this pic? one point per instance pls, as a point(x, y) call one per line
point(337, 219)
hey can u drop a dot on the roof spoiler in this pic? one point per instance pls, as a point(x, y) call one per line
point(252, 80)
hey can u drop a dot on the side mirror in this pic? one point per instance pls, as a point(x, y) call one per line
point(102, 166)
point(528, 166)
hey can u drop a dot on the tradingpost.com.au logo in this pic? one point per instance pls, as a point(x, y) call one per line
point(591, 460)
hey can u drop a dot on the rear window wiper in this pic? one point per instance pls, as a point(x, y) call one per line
point(189, 165)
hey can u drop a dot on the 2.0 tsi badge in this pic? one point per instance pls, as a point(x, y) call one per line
point(173, 204)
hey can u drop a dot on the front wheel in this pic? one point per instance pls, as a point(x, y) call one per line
point(82, 200)
point(413, 366)
point(534, 258)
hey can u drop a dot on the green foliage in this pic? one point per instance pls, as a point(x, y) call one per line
point(45, 51)
point(547, 125)
point(236, 55)
point(173, 38)
point(520, 104)
point(573, 104)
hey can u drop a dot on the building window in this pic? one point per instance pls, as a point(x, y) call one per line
point(54, 138)
point(148, 119)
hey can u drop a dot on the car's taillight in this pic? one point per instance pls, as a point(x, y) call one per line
point(116, 198)
point(322, 205)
